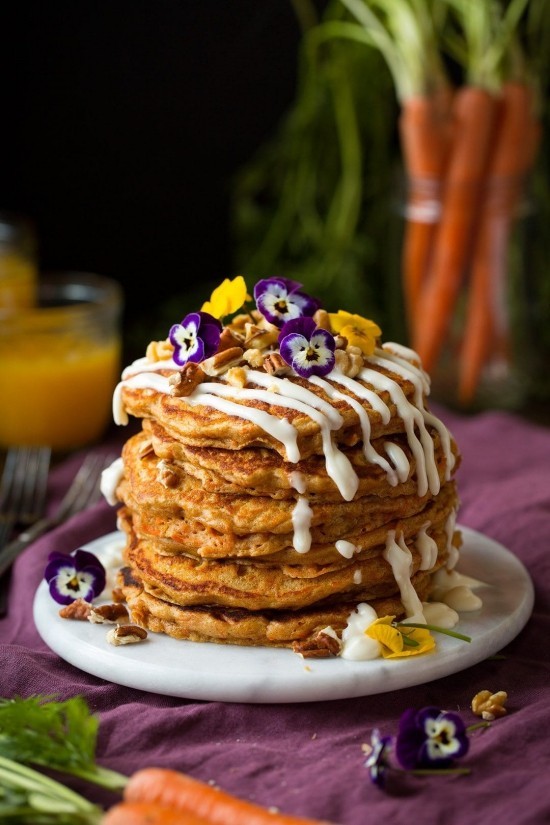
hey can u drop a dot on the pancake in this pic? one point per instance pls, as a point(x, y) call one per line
point(263, 499)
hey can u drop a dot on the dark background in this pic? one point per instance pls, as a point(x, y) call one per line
point(123, 124)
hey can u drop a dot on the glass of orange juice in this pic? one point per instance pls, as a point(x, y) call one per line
point(60, 362)
point(18, 264)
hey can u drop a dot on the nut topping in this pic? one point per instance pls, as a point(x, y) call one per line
point(320, 646)
point(108, 613)
point(167, 475)
point(126, 634)
point(489, 705)
point(79, 609)
point(275, 365)
point(186, 380)
point(222, 361)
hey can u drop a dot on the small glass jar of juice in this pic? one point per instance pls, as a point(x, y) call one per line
point(60, 362)
point(18, 264)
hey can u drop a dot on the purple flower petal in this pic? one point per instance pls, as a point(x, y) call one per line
point(279, 300)
point(377, 762)
point(196, 338)
point(75, 576)
point(430, 738)
point(307, 348)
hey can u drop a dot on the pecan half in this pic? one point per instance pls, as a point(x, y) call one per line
point(320, 646)
point(108, 613)
point(79, 609)
point(222, 361)
point(186, 380)
point(275, 365)
point(126, 634)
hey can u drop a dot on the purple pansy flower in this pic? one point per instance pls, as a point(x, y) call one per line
point(307, 348)
point(378, 759)
point(78, 576)
point(196, 338)
point(279, 300)
point(430, 738)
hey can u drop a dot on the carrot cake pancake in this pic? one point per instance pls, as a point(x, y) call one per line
point(288, 472)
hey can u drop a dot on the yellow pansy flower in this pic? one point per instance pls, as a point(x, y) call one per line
point(360, 332)
point(392, 642)
point(227, 298)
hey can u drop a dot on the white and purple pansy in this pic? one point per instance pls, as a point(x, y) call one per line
point(430, 738)
point(196, 338)
point(280, 300)
point(77, 576)
point(307, 348)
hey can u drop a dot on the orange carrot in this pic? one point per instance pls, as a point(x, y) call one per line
point(474, 113)
point(147, 813)
point(424, 129)
point(177, 791)
point(513, 156)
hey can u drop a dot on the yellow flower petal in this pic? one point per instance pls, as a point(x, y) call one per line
point(227, 298)
point(360, 332)
point(426, 643)
point(389, 638)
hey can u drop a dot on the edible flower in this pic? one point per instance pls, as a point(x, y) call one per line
point(428, 742)
point(196, 338)
point(307, 348)
point(227, 298)
point(397, 641)
point(378, 759)
point(279, 300)
point(430, 738)
point(78, 576)
point(359, 332)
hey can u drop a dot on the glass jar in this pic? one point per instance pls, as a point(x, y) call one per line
point(18, 264)
point(464, 290)
point(60, 362)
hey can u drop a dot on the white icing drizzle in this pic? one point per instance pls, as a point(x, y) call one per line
point(440, 615)
point(110, 478)
point(301, 522)
point(345, 548)
point(362, 392)
point(426, 547)
point(146, 381)
point(295, 391)
point(423, 449)
point(452, 551)
point(368, 450)
point(356, 645)
point(298, 482)
point(146, 365)
point(399, 557)
point(399, 460)
point(462, 599)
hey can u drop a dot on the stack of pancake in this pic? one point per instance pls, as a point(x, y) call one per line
point(260, 507)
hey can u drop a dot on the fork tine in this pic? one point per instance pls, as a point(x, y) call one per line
point(35, 485)
point(84, 491)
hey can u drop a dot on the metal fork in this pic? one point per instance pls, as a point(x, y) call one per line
point(23, 488)
point(83, 493)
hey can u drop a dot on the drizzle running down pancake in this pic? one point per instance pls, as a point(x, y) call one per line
point(267, 494)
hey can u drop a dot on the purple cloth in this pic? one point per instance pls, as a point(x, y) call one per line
point(306, 759)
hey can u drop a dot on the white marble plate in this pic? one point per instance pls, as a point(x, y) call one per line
point(230, 673)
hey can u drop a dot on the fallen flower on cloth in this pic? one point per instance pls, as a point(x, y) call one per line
point(78, 576)
point(428, 742)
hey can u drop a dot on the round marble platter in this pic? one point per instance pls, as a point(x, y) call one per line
point(231, 673)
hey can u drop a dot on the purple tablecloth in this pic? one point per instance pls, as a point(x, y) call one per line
point(306, 758)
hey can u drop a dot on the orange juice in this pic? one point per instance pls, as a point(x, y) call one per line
point(17, 282)
point(59, 366)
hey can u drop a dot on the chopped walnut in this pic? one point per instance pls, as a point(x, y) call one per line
point(108, 613)
point(79, 609)
point(320, 646)
point(258, 337)
point(254, 357)
point(222, 361)
point(186, 380)
point(321, 318)
point(126, 634)
point(167, 475)
point(236, 376)
point(489, 705)
point(275, 365)
point(159, 350)
point(340, 341)
point(355, 363)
